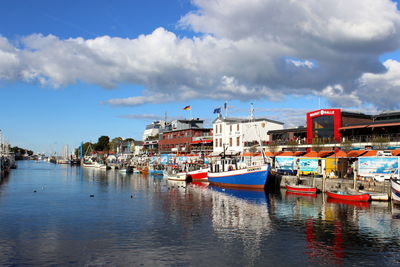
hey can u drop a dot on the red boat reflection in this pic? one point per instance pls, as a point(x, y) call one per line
point(360, 204)
point(290, 193)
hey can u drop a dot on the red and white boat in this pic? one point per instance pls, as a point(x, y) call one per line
point(302, 189)
point(361, 197)
point(200, 175)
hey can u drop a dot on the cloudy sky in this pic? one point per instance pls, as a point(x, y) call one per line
point(71, 71)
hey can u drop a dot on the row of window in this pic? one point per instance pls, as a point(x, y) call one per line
point(230, 128)
point(218, 142)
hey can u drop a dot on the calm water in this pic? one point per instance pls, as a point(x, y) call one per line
point(134, 220)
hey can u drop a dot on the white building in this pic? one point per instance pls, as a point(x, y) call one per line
point(236, 135)
point(153, 129)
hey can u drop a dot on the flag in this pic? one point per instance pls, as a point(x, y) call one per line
point(187, 108)
point(217, 110)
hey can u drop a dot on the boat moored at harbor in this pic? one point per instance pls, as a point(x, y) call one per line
point(302, 189)
point(349, 196)
point(238, 174)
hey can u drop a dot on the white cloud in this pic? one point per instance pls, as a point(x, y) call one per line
point(250, 49)
point(382, 89)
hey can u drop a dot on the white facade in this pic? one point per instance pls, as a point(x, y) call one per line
point(232, 134)
point(153, 129)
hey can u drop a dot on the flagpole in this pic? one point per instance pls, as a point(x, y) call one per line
point(190, 112)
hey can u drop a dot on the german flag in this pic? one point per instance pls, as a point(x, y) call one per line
point(187, 108)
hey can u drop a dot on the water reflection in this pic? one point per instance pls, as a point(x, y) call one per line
point(146, 220)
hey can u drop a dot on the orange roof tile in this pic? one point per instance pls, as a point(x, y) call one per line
point(314, 154)
point(396, 152)
point(286, 153)
point(370, 153)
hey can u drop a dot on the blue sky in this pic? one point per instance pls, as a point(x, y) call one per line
point(144, 58)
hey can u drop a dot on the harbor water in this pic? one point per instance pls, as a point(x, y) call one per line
point(62, 215)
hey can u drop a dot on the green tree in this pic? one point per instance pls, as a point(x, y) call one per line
point(318, 144)
point(380, 142)
point(115, 143)
point(347, 146)
point(292, 145)
point(102, 143)
point(272, 147)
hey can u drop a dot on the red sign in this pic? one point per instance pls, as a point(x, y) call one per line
point(337, 122)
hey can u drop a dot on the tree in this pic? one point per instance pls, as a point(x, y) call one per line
point(292, 145)
point(272, 147)
point(115, 142)
point(318, 144)
point(347, 146)
point(380, 142)
point(102, 143)
point(87, 149)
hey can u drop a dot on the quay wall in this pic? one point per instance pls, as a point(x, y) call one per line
point(330, 184)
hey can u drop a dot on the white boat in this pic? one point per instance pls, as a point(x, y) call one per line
point(172, 173)
point(377, 196)
point(88, 164)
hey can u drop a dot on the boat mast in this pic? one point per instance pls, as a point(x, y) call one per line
point(258, 132)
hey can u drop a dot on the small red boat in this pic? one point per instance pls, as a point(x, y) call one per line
point(362, 197)
point(302, 189)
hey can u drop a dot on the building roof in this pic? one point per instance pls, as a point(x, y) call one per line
point(369, 153)
point(138, 143)
point(372, 125)
point(356, 114)
point(356, 153)
point(186, 129)
point(321, 154)
point(289, 130)
point(245, 120)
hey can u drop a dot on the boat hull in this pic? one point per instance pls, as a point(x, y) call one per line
point(245, 178)
point(302, 189)
point(395, 191)
point(349, 197)
point(198, 175)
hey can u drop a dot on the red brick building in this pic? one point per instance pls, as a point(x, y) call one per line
point(186, 141)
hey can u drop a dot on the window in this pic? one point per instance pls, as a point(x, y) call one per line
point(263, 125)
point(237, 127)
point(230, 141)
point(220, 128)
point(216, 129)
point(230, 128)
point(220, 142)
point(323, 127)
point(238, 141)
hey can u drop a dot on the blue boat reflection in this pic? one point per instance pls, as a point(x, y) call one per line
point(253, 196)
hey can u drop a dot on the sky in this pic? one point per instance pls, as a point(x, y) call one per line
point(71, 71)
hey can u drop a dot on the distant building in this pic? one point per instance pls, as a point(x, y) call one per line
point(185, 137)
point(151, 136)
point(235, 135)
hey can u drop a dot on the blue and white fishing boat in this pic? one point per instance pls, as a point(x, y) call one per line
point(238, 174)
